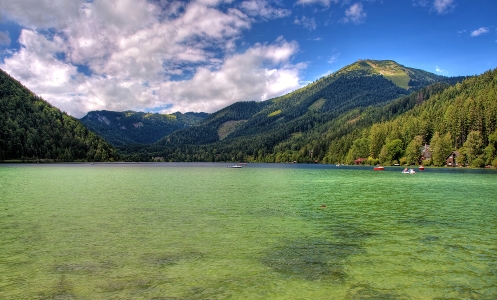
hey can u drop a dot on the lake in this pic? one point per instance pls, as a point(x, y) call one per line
point(265, 231)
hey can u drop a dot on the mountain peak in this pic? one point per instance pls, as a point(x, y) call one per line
point(404, 77)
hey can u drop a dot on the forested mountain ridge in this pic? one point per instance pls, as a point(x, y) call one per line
point(298, 126)
point(33, 130)
point(364, 83)
point(460, 117)
point(131, 127)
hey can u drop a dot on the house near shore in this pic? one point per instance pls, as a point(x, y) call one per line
point(360, 161)
point(451, 160)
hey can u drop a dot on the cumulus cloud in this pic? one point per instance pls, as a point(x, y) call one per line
point(479, 31)
point(4, 38)
point(355, 14)
point(42, 13)
point(262, 72)
point(164, 54)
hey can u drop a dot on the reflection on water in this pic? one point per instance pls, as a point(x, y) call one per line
point(202, 231)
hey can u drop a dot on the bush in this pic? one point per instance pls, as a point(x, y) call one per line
point(494, 163)
point(372, 161)
point(478, 163)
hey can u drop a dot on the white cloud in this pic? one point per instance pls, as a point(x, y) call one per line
point(263, 9)
point(132, 58)
point(479, 31)
point(42, 13)
point(307, 23)
point(116, 14)
point(443, 6)
point(262, 72)
point(355, 14)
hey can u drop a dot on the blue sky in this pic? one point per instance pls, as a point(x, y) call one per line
point(203, 55)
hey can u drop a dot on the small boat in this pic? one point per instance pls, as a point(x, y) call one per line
point(410, 171)
point(379, 168)
point(421, 168)
point(234, 167)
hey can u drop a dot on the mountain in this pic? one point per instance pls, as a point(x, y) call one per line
point(33, 130)
point(365, 109)
point(130, 127)
point(361, 84)
point(403, 77)
point(364, 83)
point(461, 117)
point(254, 129)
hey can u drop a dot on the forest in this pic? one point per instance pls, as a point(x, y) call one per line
point(460, 118)
point(447, 117)
point(34, 130)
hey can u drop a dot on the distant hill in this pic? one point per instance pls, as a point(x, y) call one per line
point(32, 129)
point(130, 127)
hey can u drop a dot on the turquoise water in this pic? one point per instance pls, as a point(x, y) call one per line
point(267, 231)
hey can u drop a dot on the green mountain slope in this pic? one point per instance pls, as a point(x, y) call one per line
point(403, 77)
point(130, 127)
point(462, 117)
point(211, 129)
point(256, 130)
point(358, 85)
point(32, 129)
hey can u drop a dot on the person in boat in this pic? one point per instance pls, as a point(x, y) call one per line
point(405, 170)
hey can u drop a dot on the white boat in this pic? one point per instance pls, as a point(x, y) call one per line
point(410, 171)
point(234, 167)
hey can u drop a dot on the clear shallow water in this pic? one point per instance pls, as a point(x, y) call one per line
point(197, 231)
